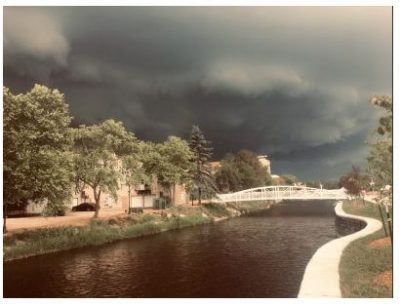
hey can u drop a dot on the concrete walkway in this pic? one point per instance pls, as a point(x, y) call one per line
point(321, 277)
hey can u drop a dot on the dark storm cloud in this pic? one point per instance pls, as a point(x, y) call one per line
point(292, 82)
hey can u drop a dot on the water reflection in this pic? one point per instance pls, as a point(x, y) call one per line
point(263, 255)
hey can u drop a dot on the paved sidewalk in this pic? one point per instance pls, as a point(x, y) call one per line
point(321, 277)
point(71, 219)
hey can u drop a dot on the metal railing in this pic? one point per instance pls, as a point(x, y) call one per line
point(283, 193)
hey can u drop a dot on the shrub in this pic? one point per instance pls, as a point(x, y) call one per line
point(145, 219)
point(216, 209)
point(136, 210)
point(56, 208)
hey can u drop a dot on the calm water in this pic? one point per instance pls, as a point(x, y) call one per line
point(262, 255)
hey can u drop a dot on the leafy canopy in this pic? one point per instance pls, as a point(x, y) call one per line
point(168, 161)
point(241, 171)
point(98, 153)
point(380, 156)
point(354, 181)
point(38, 163)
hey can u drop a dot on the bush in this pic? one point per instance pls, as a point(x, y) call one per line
point(216, 209)
point(54, 209)
point(145, 219)
point(136, 210)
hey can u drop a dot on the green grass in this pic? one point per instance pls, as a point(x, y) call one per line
point(97, 232)
point(359, 208)
point(361, 264)
point(367, 209)
point(40, 241)
point(215, 209)
point(250, 207)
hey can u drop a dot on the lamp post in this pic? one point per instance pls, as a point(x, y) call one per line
point(387, 192)
point(389, 222)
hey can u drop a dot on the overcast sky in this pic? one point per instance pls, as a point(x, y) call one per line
point(292, 83)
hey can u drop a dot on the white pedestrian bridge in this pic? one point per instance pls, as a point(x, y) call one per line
point(282, 193)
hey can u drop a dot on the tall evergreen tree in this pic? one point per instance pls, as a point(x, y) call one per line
point(201, 148)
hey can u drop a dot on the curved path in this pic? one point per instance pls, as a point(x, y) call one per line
point(321, 277)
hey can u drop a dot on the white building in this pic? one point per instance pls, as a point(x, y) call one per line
point(265, 162)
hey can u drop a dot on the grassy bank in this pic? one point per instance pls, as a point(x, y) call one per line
point(366, 264)
point(40, 241)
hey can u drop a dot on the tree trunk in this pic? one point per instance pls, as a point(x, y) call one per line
point(170, 195)
point(156, 188)
point(4, 217)
point(199, 180)
point(382, 219)
point(97, 203)
point(129, 199)
point(199, 195)
point(389, 222)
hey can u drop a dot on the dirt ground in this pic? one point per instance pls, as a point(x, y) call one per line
point(380, 243)
point(70, 219)
point(385, 278)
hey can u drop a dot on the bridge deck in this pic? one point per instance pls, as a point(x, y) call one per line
point(283, 192)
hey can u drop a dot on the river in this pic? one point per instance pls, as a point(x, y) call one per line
point(261, 255)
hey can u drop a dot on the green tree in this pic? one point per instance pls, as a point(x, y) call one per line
point(38, 163)
point(380, 156)
point(169, 162)
point(385, 122)
point(253, 173)
point(99, 150)
point(241, 171)
point(354, 182)
point(202, 178)
point(289, 179)
point(175, 165)
point(152, 161)
point(133, 171)
point(227, 177)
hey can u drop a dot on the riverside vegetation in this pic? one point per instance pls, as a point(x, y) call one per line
point(40, 241)
point(48, 158)
point(366, 270)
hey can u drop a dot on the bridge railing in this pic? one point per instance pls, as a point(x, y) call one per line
point(282, 192)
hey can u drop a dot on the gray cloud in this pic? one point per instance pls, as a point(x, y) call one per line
point(34, 42)
point(286, 81)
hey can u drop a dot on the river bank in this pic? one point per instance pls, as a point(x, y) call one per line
point(262, 255)
point(46, 240)
point(366, 267)
point(356, 265)
point(321, 277)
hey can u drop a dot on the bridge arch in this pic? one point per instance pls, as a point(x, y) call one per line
point(283, 193)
